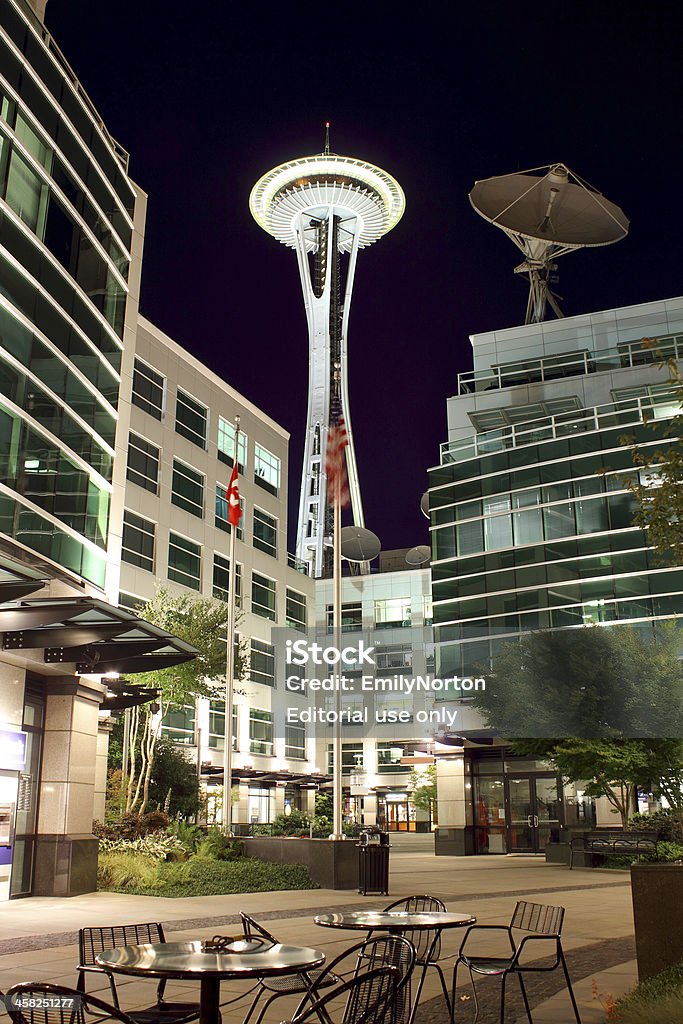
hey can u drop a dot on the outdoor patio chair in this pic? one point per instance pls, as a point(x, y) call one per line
point(86, 1008)
point(543, 924)
point(385, 950)
point(427, 943)
point(367, 998)
point(92, 941)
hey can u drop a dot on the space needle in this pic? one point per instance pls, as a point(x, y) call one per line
point(326, 207)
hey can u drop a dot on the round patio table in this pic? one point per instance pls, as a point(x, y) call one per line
point(402, 923)
point(243, 958)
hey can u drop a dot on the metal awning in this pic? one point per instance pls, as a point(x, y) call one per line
point(17, 581)
point(89, 635)
point(121, 695)
point(266, 776)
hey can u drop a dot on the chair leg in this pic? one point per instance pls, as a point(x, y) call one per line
point(502, 999)
point(269, 1000)
point(526, 1001)
point(455, 982)
point(445, 989)
point(253, 1006)
point(474, 992)
point(569, 987)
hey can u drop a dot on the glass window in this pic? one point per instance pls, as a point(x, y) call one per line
point(396, 656)
point(148, 389)
point(221, 515)
point(217, 725)
point(470, 538)
point(559, 521)
point(392, 613)
point(221, 571)
point(528, 526)
point(295, 741)
point(226, 444)
point(263, 596)
point(187, 489)
point(351, 617)
point(389, 757)
point(388, 706)
point(179, 723)
point(143, 463)
point(265, 532)
point(497, 528)
point(260, 731)
point(184, 562)
point(296, 609)
point(26, 193)
point(138, 541)
point(260, 805)
point(191, 419)
point(266, 469)
point(262, 663)
point(352, 757)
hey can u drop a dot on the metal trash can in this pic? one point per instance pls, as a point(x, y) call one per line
point(373, 862)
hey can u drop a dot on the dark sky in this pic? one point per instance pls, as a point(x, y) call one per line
point(207, 97)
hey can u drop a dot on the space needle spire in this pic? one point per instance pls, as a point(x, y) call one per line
point(326, 207)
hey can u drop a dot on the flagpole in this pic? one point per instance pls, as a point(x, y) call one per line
point(336, 627)
point(230, 665)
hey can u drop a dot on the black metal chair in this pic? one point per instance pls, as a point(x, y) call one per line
point(427, 942)
point(35, 1002)
point(367, 998)
point(383, 950)
point(543, 924)
point(92, 941)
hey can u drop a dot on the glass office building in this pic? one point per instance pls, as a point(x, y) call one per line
point(66, 239)
point(531, 519)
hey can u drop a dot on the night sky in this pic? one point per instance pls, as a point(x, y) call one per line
point(207, 97)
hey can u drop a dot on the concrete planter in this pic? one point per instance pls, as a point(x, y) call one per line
point(657, 891)
point(333, 863)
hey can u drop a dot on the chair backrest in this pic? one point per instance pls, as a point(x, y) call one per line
point(92, 941)
point(42, 1003)
point(540, 918)
point(421, 939)
point(251, 927)
point(367, 998)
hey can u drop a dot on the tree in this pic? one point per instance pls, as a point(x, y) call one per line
point(594, 682)
point(200, 622)
point(658, 487)
point(174, 787)
point(423, 790)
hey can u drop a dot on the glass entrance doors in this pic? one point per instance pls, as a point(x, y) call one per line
point(534, 812)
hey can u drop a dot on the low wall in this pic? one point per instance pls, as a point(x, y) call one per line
point(657, 896)
point(333, 863)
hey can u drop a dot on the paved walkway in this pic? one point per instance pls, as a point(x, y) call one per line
point(38, 936)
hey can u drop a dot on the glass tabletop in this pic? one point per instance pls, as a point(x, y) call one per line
point(394, 920)
point(243, 958)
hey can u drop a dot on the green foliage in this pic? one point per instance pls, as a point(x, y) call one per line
point(158, 845)
point(324, 806)
point(190, 836)
point(218, 847)
point(173, 772)
point(657, 999)
point(667, 853)
point(590, 683)
point(423, 789)
point(201, 877)
point(666, 823)
point(201, 622)
point(293, 824)
point(119, 871)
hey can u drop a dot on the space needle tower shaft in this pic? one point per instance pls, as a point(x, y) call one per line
point(326, 208)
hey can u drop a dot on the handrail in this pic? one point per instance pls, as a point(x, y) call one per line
point(566, 364)
point(627, 412)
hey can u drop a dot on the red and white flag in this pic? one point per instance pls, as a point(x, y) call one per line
point(233, 496)
point(335, 458)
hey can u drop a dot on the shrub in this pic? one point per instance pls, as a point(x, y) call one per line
point(216, 846)
point(657, 999)
point(189, 835)
point(203, 877)
point(131, 826)
point(667, 853)
point(117, 871)
point(158, 845)
point(666, 823)
point(293, 824)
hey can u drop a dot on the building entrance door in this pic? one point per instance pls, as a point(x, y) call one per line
point(534, 809)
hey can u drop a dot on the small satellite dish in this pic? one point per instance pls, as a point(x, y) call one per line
point(547, 215)
point(359, 544)
point(424, 504)
point(419, 555)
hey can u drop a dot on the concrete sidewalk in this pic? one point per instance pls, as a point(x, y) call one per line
point(38, 936)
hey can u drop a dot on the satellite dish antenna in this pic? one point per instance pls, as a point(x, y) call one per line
point(547, 215)
point(418, 556)
point(424, 504)
point(359, 544)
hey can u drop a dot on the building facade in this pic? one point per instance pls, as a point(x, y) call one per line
point(175, 533)
point(532, 522)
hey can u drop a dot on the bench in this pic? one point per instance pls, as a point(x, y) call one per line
point(610, 843)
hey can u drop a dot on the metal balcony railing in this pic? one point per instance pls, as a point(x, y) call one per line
point(629, 412)
point(569, 364)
